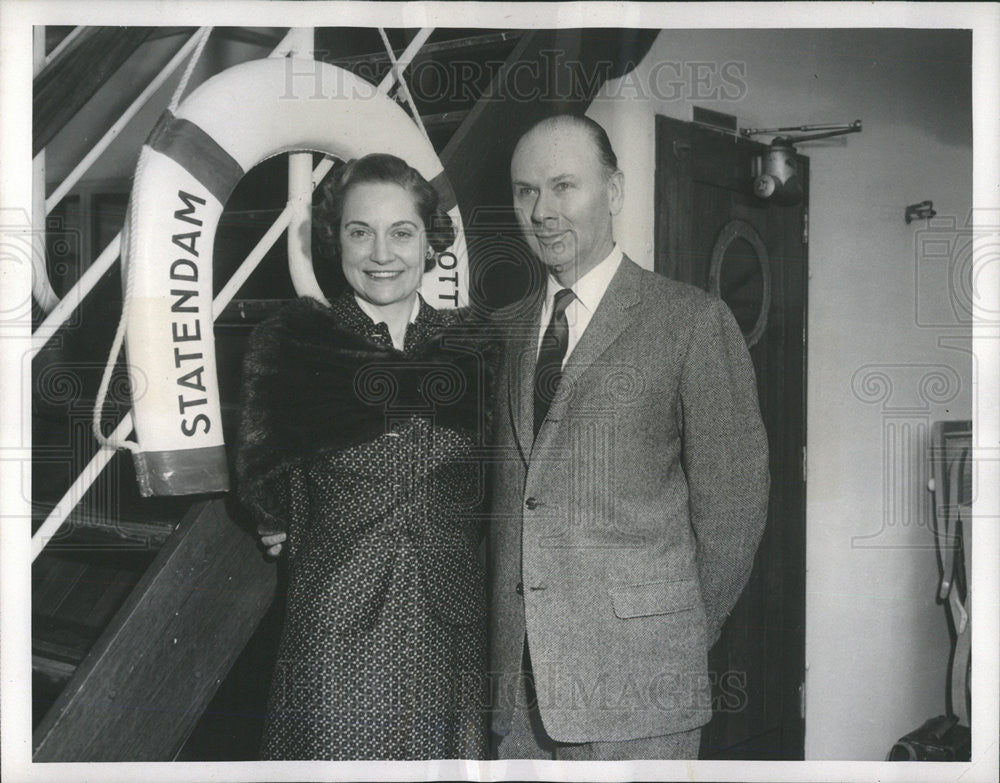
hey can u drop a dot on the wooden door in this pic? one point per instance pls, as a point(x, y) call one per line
point(714, 233)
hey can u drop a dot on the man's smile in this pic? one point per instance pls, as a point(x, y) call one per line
point(551, 238)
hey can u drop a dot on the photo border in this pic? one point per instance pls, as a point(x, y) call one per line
point(16, 20)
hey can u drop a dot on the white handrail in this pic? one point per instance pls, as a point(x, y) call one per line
point(286, 44)
point(44, 295)
point(41, 287)
point(82, 288)
point(405, 59)
point(81, 168)
point(403, 89)
point(100, 460)
point(78, 489)
point(62, 311)
point(71, 36)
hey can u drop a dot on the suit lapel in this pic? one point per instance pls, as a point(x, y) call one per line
point(610, 319)
point(521, 377)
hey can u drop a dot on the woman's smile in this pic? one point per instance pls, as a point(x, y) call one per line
point(383, 246)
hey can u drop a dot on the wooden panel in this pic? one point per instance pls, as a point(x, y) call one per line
point(117, 581)
point(155, 668)
point(71, 79)
point(702, 182)
point(672, 200)
point(52, 581)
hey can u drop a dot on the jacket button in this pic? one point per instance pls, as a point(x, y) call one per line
point(520, 588)
point(531, 503)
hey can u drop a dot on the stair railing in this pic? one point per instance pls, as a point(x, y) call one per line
point(293, 41)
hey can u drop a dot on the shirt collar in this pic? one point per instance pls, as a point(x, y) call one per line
point(590, 288)
point(373, 312)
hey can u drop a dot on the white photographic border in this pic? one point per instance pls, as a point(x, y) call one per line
point(16, 20)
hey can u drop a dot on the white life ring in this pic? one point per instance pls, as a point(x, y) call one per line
point(187, 169)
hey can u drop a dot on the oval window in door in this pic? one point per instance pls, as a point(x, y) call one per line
point(740, 276)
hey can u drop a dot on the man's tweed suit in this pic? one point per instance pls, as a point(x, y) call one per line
point(622, 537)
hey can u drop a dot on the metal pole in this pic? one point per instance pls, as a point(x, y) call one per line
point(300, 188)
point(41, 287)
point(284, 47)
point(405, 58)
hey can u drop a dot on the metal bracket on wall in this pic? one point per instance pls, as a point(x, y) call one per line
point(925, 209)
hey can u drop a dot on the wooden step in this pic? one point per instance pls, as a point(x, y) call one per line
point(150, 675)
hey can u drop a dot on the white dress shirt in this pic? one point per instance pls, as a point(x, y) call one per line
point(589, 291)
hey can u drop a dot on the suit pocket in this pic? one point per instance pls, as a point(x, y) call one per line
point(654, 598)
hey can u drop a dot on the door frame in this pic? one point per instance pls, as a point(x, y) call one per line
point(673, 206)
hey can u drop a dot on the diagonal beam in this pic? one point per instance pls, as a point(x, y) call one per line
point(65, 85)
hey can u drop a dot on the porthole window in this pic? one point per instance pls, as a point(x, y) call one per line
point(740, 276)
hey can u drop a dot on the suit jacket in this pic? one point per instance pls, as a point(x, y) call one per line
point(623, 535)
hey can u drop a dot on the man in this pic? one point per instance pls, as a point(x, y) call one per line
point(630, 487)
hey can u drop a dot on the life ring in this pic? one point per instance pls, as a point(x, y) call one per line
point(187, 169)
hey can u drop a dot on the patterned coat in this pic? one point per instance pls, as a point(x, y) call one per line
point(622, 536)
point(364, 455)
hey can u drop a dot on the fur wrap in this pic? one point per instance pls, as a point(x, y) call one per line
point(311, 385)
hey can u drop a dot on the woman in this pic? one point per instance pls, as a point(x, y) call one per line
point(356, 442)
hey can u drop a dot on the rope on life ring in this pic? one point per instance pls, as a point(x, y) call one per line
point(188, 167)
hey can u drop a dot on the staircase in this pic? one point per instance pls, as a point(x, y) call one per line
point(142, 608)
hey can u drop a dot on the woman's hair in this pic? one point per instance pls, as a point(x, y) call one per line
point(374, 168)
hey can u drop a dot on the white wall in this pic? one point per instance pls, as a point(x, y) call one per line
point(886, 353)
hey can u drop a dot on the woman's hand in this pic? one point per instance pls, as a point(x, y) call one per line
point(272, 543)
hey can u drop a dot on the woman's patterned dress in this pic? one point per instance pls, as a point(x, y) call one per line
point(366, 456)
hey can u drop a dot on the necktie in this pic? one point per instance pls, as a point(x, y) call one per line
point(548, 370)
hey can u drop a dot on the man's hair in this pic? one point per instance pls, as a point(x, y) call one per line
point(598, 136)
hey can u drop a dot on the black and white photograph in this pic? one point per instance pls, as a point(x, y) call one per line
point(480, 391)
